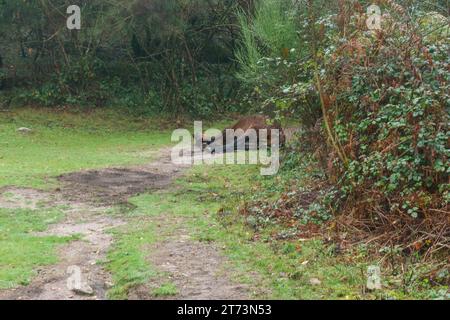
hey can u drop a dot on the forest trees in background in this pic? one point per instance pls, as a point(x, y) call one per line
point(151, 55)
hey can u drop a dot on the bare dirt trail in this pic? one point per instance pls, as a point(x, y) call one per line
point(91, 225)
point(197, 269)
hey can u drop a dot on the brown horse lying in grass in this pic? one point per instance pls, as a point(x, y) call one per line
point(246, 135)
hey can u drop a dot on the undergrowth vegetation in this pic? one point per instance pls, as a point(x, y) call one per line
point(373, 106)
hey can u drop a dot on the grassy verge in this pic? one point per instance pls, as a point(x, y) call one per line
point(127, 261)
point(21, 251)
point(165, 290)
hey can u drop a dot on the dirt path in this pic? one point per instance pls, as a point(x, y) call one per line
point(197, 269)
point(89, 194)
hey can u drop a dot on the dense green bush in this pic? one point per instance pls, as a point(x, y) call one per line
point(383, 101)
point(388, 101)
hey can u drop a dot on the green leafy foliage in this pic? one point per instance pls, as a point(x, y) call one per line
point(374, 110)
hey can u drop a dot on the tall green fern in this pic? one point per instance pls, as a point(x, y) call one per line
point(271, 29)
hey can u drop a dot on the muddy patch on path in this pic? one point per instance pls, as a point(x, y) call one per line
point(110, 186)
point(113, 186)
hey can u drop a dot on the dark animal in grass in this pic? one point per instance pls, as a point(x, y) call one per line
point(244, 135)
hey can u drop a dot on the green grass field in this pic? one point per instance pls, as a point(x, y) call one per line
point(64, 142)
